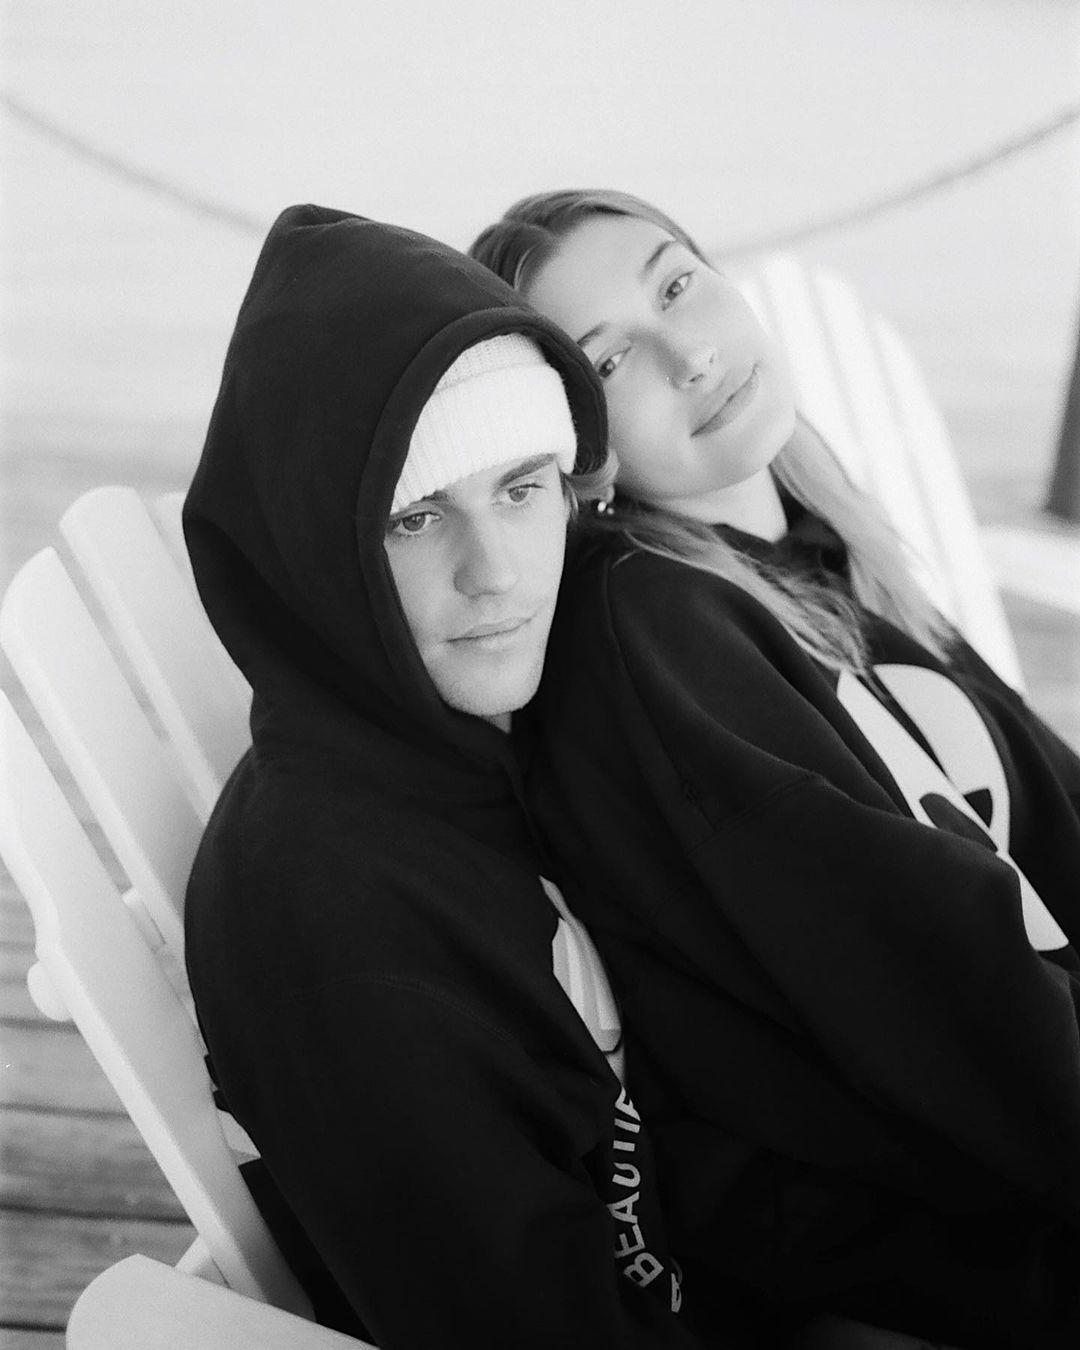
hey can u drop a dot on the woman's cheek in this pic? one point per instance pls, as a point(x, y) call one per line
point(635, 415)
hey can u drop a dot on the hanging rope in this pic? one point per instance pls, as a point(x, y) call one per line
point(923, 187)
point(241, 220)
point(130, 173)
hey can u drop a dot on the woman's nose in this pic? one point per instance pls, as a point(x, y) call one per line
point(486, 565)
point(691, 361)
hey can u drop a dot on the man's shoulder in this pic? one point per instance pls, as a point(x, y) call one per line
point(297, 852)
point(279, 810)
point(306, 822)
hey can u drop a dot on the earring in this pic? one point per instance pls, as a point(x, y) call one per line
point(604, 506)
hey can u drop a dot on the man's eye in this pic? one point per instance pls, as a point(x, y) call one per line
point(609, 365)
point(416, 522)
point(675, 288)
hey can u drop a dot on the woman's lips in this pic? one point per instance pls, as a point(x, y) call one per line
point(732, 405)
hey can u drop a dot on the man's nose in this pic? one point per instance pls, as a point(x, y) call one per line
point(691, 358)
point(486, 563)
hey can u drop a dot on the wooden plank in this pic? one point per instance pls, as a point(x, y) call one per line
point(30, 1340)
point(77, 1164)
point(16, 925)
point(15, 1000)
point(46, 1261)
point(47, 1065)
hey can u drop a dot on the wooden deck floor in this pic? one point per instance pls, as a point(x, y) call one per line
point(78, 1190)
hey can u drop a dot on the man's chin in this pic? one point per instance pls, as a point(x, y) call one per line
point(492, 685)
point(498, 700)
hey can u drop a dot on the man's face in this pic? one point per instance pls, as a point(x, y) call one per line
point(477, 568)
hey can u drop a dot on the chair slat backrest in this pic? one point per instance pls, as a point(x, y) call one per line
point(169, 512)
point(780, 291)
point(192, 685)
point(100, 968)
point(858, 384)
point(121, 766)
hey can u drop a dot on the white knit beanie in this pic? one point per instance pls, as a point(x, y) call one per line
point(500, 400)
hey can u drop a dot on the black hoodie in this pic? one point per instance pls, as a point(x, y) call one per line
point(369, 944)
point(855, 1036)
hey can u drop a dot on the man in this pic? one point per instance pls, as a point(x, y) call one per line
point(377, 529)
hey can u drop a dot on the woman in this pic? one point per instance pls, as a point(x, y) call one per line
point(832, 862)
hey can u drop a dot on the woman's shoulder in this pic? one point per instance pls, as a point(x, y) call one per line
point(618, 593)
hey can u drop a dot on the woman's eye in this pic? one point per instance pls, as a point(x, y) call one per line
point(520, 493)
point(609, 365)
point(416, 522)
point(675, 288)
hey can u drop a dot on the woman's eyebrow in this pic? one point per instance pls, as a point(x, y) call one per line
point(594, 331)
point(650, 262)
point(655, 256)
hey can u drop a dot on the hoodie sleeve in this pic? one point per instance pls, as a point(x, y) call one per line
point(753, 839)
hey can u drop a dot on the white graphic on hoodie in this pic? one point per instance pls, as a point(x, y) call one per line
point(580, 971)
point(971, 796)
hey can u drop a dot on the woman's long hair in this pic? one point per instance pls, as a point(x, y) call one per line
point(821, 620)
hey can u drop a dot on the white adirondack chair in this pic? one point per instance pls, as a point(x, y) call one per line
point(110, 959)
point(857, 383)
point(1039, 564)
point(139, 1304)
point(150, 781)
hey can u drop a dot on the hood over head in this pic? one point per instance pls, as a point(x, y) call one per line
point(345, 330)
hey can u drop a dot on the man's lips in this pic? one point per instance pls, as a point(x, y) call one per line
point(499, 633)
point(735, 392)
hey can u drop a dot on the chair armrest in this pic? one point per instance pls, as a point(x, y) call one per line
point(1036, 564)
point(140, 1304)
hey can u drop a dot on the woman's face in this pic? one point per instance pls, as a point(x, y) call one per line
point(700, 398)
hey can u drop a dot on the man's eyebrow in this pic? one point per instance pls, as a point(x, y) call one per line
point(650, 262)
point(525, 466)
point(518, 470)
point(439, 495)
